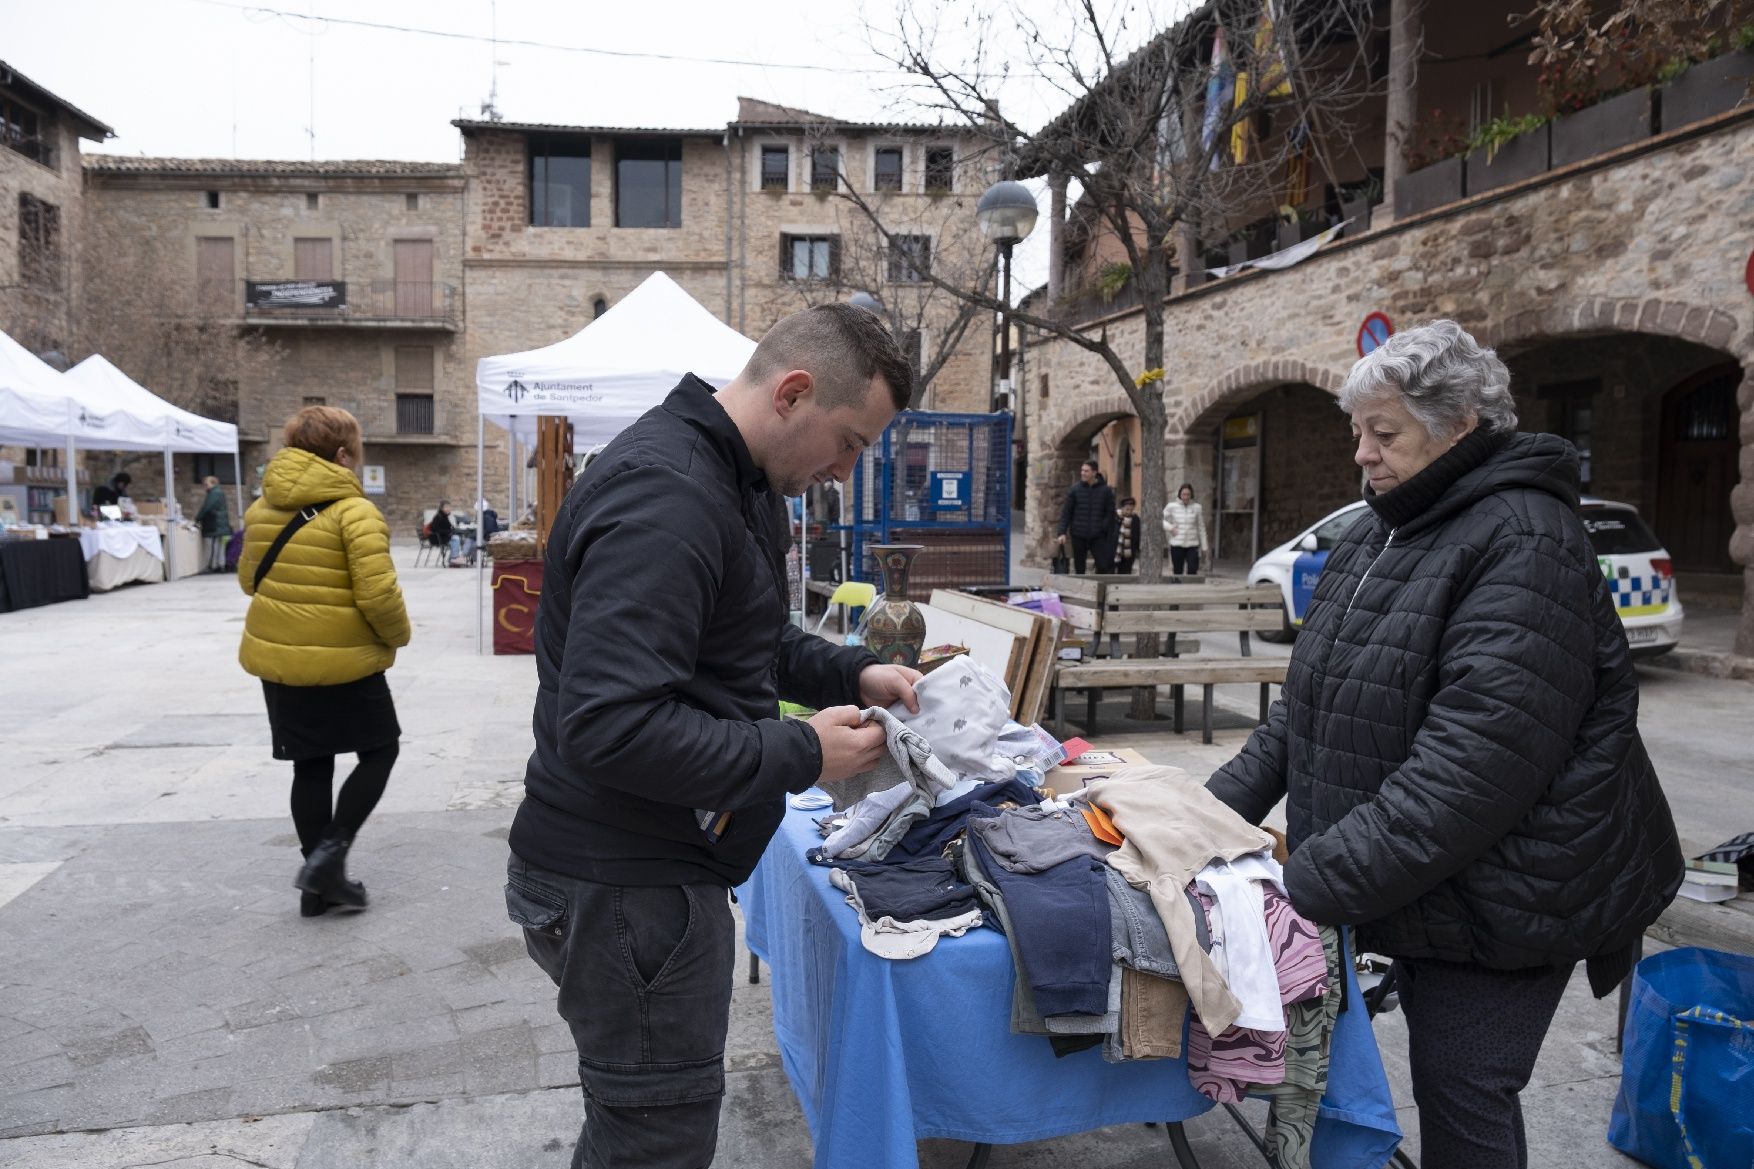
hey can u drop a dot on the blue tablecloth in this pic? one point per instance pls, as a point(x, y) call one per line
point(882, 1054)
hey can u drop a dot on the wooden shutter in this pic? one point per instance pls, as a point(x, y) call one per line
point(216, 274)
point(414, 292)
point(313, 259)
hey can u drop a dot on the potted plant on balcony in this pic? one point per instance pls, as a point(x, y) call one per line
point(1697, 92)
point(1356, 200)
point(1508, 150)
point(1435, 170)
point(1296, 224)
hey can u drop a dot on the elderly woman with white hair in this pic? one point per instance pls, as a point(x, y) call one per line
point(1457, 740)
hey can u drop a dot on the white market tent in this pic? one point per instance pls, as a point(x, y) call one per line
point(614, 369)
point(39, 407)
point(101, 386)
point(610, 372)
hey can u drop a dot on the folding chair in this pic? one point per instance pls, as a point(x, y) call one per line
point(428, 550)
point(855, 594)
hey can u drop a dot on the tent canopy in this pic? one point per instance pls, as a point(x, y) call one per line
point(614, 369)
point(40, 407)
point(101, 386)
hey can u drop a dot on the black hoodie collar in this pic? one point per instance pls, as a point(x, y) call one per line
point(692, 401)
point(1417, 495)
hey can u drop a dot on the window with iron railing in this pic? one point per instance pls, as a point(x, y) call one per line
point(39, 242)
point(776, 168)
point(824, 168)
point(886, 169)
point(414, 414)
point(25, 131)
point(940, 169)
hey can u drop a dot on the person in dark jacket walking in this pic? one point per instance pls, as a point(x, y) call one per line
point(1088, 516)
point(661, 767)
point(214, 520)
point(1458, 740)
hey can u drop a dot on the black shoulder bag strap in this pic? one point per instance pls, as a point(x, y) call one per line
point(305, 515)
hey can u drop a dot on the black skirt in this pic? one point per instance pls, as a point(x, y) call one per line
point(310, 722)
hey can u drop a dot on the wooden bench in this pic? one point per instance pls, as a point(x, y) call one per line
point(1109, 607)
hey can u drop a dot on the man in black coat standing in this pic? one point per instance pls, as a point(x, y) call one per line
point(661, 766)
point(1088, 516)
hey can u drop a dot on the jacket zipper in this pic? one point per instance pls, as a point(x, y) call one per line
point(1368, 571)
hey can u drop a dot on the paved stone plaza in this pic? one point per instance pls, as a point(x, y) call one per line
point(162, 1002)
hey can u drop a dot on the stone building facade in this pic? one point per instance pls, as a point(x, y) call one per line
point(246, 290)
point(41, 211)
point(42, 199)
point(1616, 288)
point(561, 221)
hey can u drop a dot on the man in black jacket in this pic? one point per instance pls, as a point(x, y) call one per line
point(1088, 516)
point(661, 768)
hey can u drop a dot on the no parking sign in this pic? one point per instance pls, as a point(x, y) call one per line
point(1376, 329)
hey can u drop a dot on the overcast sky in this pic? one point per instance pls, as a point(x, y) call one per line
point(230, 79)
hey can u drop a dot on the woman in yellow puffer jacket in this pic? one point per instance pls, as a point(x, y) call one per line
point(324, 624)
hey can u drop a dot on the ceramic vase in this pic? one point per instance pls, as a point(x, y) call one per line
point(895, 629)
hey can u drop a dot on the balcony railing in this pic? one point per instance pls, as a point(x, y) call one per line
point(406, 303)
point(397, 418)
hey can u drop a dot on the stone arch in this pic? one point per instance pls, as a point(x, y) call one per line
point(1701, 324)
point(1090, 416)
point(1244, 381)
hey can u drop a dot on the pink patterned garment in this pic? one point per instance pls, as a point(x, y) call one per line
point(1224, 1067)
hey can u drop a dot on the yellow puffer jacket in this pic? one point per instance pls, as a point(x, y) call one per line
point(330, 610)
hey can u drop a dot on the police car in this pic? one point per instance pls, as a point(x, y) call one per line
point(1641, 576)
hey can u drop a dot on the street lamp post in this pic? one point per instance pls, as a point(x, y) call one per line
point(1006, 214)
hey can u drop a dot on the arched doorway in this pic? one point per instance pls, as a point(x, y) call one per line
point(1655, 422)
point(1268, 462)
point(1696, 470)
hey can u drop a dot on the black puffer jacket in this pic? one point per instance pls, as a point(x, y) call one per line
point(1089, 510)
point(1458, 731)
point(662, 650)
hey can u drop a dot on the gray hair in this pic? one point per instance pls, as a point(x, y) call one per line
point(1443, 376)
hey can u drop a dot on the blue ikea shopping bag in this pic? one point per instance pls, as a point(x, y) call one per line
point(1687, 1069)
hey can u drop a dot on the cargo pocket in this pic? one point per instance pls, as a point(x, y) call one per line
point(534, 907)
point(668, 1046)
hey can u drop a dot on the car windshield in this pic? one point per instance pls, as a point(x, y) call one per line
point(1616, 531)
point(1329, 531)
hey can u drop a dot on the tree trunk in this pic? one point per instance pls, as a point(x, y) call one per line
point(1153, 421)
point(1405, 37)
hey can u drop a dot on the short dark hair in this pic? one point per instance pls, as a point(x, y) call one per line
point(842, 347)
point(1187, 487)
point(1131, 500)
point(1092, 464)
point(121, 477)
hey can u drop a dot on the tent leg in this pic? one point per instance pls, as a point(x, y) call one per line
point(480, 560)
point(72, 473)
point(237, 473)
point(170, 518)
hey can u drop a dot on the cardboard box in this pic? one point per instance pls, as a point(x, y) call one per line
point(64, 512)
point(149, 507)
point(1075, 773)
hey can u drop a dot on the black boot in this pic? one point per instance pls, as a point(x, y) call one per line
point(325, 874)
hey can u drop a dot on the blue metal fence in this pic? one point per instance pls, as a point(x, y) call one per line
point(941, 480)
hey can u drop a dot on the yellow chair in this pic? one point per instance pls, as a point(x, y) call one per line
point(854, 594)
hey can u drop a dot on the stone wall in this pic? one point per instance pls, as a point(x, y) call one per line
point(145, 225)
point(37, 314)
point(1651, 244)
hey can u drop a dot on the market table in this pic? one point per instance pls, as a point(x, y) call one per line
point(884, 1053)
point(117, 554)
point(41, 572)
